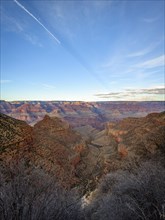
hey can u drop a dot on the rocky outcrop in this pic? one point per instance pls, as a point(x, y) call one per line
point(13, 132)
point(139, 135)
point(57, 148)
point(51, 145)
point(15, 137)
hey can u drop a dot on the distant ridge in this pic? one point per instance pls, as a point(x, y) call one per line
point(79, 113)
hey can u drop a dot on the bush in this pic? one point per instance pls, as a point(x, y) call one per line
point(134, 196)
point(28, 193)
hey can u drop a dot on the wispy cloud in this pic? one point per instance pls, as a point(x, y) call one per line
point(11, 24)
point(150, 20)
point(152, 63)
point(3, 81)
point(154, 93)
point(29, 13)
point(108, 94)
point(143, 51)
point(32, 39)
point(48, 86)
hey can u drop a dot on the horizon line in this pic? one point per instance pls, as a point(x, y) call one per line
point(1, 100)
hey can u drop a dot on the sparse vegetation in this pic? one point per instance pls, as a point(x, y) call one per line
point(28, 193)
point(123, 195)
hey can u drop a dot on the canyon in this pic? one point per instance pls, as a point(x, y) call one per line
point(83, 155)
point(78, 114)
point(83, 171)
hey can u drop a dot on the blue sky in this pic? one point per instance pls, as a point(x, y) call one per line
point(82, 50)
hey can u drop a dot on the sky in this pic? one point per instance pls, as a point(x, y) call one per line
point(82, 50)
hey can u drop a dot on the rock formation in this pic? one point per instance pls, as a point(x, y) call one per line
point(51, 145)
point(122, 145)
point(15, 137)
point(84, 155)
point(57, 149)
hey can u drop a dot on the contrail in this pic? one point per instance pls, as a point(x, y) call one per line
point(73, 52)
point(21, 6)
